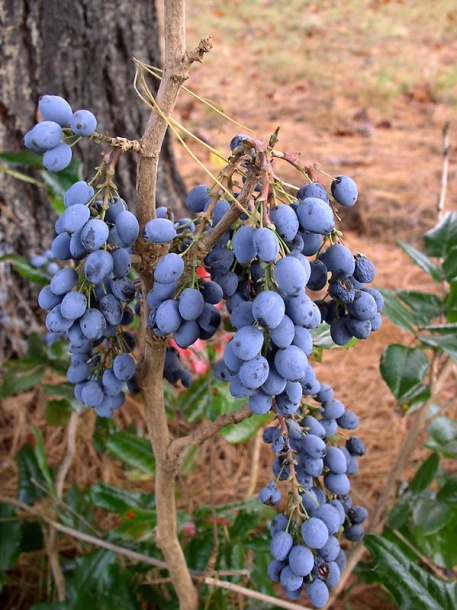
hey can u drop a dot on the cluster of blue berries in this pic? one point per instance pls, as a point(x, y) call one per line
point(274, 276)
point(60, 123)
point(93, 300)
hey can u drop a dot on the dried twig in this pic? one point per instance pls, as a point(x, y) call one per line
point(444, 171)
point(51, 542)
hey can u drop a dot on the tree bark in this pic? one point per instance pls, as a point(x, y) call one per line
point(81, 50)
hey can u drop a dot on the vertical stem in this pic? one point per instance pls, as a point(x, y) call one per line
point(166, 533)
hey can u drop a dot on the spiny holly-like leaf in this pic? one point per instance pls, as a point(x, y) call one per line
point(118, 500)
point(412, 587)
point(134, 451)
point(403, 369)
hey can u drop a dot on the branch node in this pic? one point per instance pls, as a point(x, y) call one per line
point(204, 46)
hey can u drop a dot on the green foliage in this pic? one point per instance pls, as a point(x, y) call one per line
point(55, 183)
point(425, 513)
point(412, 587)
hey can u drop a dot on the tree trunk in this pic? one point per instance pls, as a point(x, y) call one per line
point(81, 50)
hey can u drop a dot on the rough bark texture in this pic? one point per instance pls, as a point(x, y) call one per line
point(81, 50)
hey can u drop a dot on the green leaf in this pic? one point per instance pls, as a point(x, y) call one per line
point(207, 398)
point(29, 475)
point(244, 430)
point(442, 328)
point(322, 338)
point(134, 451)
point(24, 157)
point(438, 545)
point(118, 500)
point(198, 551)
point(448, 491)
point(25, 269)
point(10, 537)
point(79, 513)
point(421, 260)
point(91, 569)
point(450, 303)
point(118, 590)
point(446, 343)
point(65, 391)
point(58, 183)
point(403, 369)
point(450, 264)
point(443, 437)
point(58, 412)
point(412, 587)
point(16, 381)
point(426, 473)
point(425, 307)
point(243, 524)
point(430, 516)
point(397, 313)
point(400, 511)
point(14, 173)
point(440, 239)
point(137, 524)
point(31, 537)
point(40, 454)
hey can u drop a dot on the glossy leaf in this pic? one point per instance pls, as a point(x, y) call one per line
point(91, 568)
point(25, 269)
point(16, 380)
point(40, 454)
point(23, 157)
point(117, 500)
point(431, 516)
point(412, 587)
point(440, 239)
point(421, 260)
point(426, 473)
point(397, 313)
point(31, 481)
point(450, 264)
point(450, 303)
point(79, 513)
point(401, 511)
point(57, 412)
point(134, 451)
point(244, 430)
point(199, 551)
point(10, 537)
point(443, 436)
point(448, 491)
point(447, 343)
point(403, 369)
point(438, 545)
point(426, 307)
